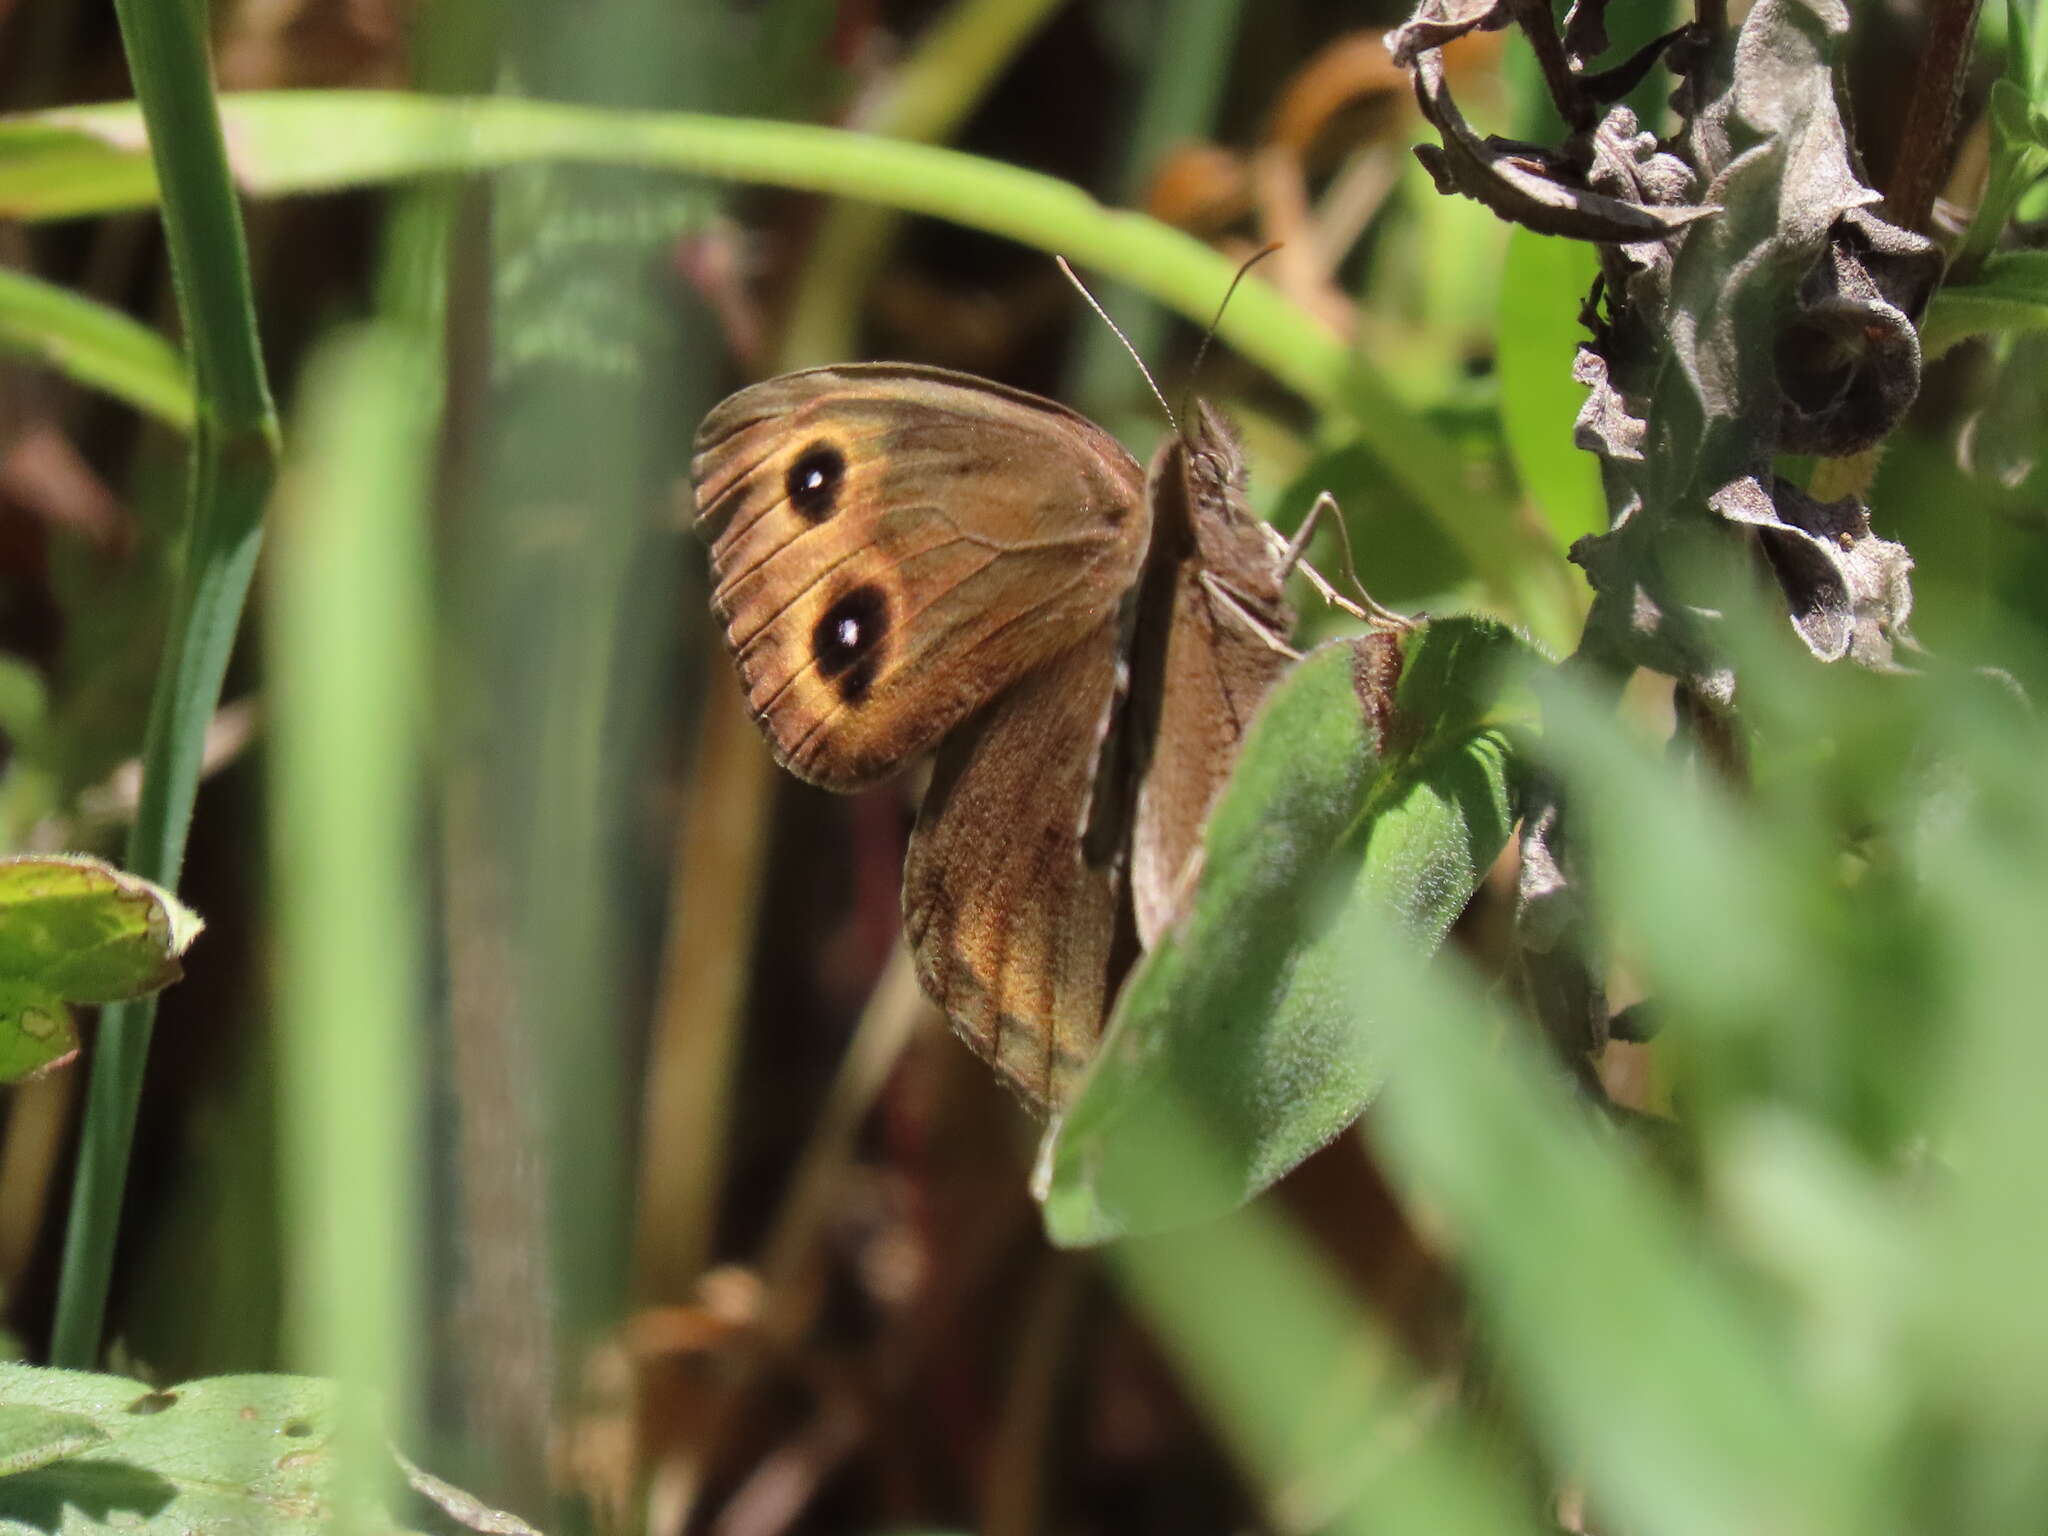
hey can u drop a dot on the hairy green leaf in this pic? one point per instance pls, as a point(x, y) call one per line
point(231, 1453)
point(32, 1436)
point(1358, 797)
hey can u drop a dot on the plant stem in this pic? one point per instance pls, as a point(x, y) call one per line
point(234, 459)
point(1938, 74)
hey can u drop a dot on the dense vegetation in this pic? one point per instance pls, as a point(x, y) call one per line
point(548, 1095)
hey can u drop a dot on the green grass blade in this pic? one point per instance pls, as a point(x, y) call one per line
point(96, 346)
point(1643, 1365)
point(1185, 73)
point(234, 454)
point(1311, 1396)
point(313, 141)
point(317, 141)
point(348, 649)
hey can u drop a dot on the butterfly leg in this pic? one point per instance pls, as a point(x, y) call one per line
point(1372, 612)
point(1223, 595)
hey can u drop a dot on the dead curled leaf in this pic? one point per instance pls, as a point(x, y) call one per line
point(1604, 425)
point(1437, 22)
point(1846, 588)
point(1754, 305)
point(1785, 325)
point(1585, 32)
point(1848, 360)
point(1545, 191)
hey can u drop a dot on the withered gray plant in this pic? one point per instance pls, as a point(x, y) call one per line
point(1750, 304)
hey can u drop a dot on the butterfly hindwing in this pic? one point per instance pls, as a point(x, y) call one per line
point(1012, 926)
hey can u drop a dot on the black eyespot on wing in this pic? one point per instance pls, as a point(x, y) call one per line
point(848, 641)
point(813, 481)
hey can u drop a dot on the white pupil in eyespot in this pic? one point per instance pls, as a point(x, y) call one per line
point(849, 634)
point(813, 480)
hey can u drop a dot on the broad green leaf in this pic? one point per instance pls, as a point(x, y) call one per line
point(2008, 294)
point(232, 1453)
point(1342, 811)
point(75, 929)
point(32, 1436)
point(1540, 293)
point(96, 346)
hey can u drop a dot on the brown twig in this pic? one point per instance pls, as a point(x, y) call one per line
point(721, 841)
point(1539, 25)
point(1923, 159)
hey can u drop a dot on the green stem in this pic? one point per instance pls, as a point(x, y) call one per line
point(234, 457)
point(319, 141)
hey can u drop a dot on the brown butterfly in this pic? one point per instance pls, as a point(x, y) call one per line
point(910, 559)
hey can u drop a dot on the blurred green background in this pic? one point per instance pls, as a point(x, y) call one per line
point(549, 1060)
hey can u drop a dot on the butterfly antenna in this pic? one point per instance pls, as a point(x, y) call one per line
point(1117, 331)
point(1195, 371)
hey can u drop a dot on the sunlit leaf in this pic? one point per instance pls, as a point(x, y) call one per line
point(32, 1436)
point(232, 1453)
point(1539, 334)
point(2008, 294)
point(1356, 798)
point(252, 1455)
point(75, 929)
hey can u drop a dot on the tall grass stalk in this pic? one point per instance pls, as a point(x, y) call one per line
point(234, 460)
point(348, 649)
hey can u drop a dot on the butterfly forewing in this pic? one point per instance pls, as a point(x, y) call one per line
point(894, 547)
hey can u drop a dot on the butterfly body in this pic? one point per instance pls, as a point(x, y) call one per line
point(909, 560)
